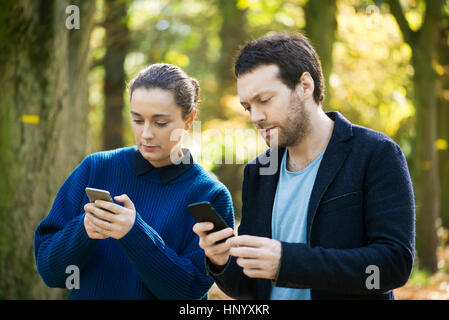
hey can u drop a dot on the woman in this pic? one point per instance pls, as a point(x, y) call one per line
point(143, 247)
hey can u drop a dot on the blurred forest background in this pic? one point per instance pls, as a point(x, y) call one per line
point(63, 95)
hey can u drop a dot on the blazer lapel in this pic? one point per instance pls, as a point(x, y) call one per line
point(333, 159)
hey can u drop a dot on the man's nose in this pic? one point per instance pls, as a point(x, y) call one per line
point(256, 115)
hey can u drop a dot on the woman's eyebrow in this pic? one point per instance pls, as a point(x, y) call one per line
point(136, 114)
point(158, 115)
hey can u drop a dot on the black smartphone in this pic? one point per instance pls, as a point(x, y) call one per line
point(204, 212)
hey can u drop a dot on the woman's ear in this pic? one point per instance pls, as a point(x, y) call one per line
point(190, 117)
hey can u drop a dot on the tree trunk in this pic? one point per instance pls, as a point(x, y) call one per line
point(43, 124)
point(117, 40)
point(321, 25)
point(232, 35)
point(426, 165)
point(425, 168)
point(443, 121)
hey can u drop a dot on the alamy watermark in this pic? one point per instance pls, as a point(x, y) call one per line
point(373, 280)
point(73, 20)
point(235, 146)
point(73, 280)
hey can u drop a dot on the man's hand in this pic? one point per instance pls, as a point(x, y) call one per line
point(106, 219)
point(258, 256)
point(218, 254)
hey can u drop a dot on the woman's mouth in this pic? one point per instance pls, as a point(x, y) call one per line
point(148, 148)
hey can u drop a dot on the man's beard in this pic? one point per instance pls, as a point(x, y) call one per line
point(296, 125)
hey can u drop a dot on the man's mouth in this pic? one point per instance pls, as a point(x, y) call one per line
point(267, 131)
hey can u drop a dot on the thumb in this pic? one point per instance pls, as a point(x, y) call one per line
point(125, 200)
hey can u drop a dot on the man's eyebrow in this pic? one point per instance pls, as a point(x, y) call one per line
point(158, 115)
point(256, 96)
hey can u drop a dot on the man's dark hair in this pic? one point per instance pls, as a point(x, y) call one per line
point(292, 53)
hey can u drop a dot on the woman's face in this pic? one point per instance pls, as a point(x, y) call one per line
point(157, 124)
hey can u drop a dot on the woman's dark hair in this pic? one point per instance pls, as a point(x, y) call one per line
point(186, 90)
point(292, 53)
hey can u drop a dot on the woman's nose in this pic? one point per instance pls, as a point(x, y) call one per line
point(147, 133)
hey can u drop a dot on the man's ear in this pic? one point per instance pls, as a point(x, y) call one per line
point(305, 86)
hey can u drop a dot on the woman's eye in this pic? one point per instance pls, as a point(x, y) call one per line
point(137, 121)
point(248, 109)
point(161, 124)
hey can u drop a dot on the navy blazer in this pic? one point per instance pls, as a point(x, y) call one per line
point(361, 214)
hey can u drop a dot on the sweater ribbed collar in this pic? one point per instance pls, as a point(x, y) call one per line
point(166, 173)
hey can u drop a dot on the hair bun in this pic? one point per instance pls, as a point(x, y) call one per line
point(196, 86)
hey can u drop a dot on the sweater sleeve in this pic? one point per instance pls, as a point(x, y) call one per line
point(61, 240)
point(230, 277)
point(167, 274)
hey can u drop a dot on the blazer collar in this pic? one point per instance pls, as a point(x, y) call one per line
point(342, 127)
point(166, 173)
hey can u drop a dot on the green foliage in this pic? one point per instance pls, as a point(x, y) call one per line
point(370, 82)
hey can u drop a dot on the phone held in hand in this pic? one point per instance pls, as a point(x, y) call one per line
point(98, 194)
point(204, 212)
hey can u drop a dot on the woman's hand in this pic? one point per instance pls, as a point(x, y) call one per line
point(106, 219)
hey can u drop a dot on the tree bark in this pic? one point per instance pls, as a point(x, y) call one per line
point(117, 40)
point(43, 124)
point(443, 120)
point(425, 167)
point(321, 26)
point(232, 35)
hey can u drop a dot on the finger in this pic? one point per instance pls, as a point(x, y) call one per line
point(249, 263)
point(125, 200)
point(214, 237)
point(254, 273)
point(106, 225)
point(92, 225)
point(247, 241)
point(88, 207)
point(109, 206)
point(101, 231)
point(103, 214)
point(218, 249)
point(201, 228)
point(245, 252)
point(97, 235)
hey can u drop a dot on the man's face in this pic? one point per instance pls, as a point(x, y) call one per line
point(278, 112)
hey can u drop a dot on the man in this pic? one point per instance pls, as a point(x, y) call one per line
point(336, 219)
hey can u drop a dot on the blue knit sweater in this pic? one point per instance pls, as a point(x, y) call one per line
point(159, 258)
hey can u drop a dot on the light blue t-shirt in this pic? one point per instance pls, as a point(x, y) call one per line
point(289, 221)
